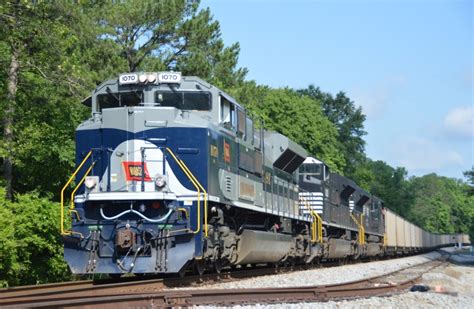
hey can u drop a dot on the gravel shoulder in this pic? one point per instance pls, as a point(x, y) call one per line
point(320, 276)
point(455, 281)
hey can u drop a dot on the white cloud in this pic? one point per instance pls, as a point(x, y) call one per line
point(420, 155)
point(460, 121)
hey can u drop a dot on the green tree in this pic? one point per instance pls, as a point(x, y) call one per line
point(170, 35)
point(41, 70)
point(349, 121)
point(386, 182)
point(31, 248)
point(469, 175)
point(441, 204)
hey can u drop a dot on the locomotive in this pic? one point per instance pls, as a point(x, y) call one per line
point(174, 175)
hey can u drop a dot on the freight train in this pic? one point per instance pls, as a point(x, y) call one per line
point(174, 175)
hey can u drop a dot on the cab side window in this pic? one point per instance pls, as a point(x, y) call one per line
point(227, 114)
point(249, 130)
point(240, 123)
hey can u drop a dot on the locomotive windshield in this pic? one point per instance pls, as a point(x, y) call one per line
point(111, 100)
point(311, 169)
point(185, 100)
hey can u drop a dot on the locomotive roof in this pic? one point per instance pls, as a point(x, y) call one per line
point(185, 83)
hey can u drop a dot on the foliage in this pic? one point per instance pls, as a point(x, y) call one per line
point(441, 205)
point(50, 82)
point(470, 180)
point(31, 249)
point(170, 35)
point(386, 182)
point(349, 121)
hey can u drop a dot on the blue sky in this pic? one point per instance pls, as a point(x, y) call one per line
point(409, 64)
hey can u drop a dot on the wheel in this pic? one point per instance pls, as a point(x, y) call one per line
point(218, 265)
point(199, 267)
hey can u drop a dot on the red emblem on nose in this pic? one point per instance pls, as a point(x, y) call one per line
point(134, 170)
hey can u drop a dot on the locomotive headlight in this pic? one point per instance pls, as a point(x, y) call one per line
point(151, 78)
point(160, 181)
point(90, 182)
point(142, 78)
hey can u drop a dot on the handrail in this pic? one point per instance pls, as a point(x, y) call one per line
point(362, 228)
point(320, 227)
point(317, 227)
point(195, 183)
point(205, 198)
point(361, 239)
point(385, 239)
point(72, 206)
point(63, 231)
point(313, 226)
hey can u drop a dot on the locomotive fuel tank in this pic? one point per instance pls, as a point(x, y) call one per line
point(262, 247)
point(338, 248)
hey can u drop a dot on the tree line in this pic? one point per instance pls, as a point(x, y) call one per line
point(53, 54)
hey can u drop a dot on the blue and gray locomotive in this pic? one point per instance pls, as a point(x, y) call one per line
point(173, 175)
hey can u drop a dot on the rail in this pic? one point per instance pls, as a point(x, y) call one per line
point(155, 292)
point(63, 230)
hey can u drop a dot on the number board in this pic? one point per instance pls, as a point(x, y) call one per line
point(169, 77)
point(129, 78)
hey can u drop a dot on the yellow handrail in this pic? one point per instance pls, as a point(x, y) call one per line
point(205, 198)
point(195, 183)
point(64, 232)
point(317, 227)
point(185, 211)
point(385, 239)
point(362, 228)
point(361, 239)
point(313, 226)
point(72, 206)
point(320, 227)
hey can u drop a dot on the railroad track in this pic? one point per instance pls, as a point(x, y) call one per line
point(154, 293)
point(128, 285)
point(83, 288)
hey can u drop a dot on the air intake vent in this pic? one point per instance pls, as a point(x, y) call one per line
point(288, 161)
point(285, 154)
point(228, 184)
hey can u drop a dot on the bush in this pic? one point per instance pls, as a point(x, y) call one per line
point(31, 250)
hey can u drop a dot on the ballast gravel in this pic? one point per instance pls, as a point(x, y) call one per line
point(324, 275)
point(456, 281)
